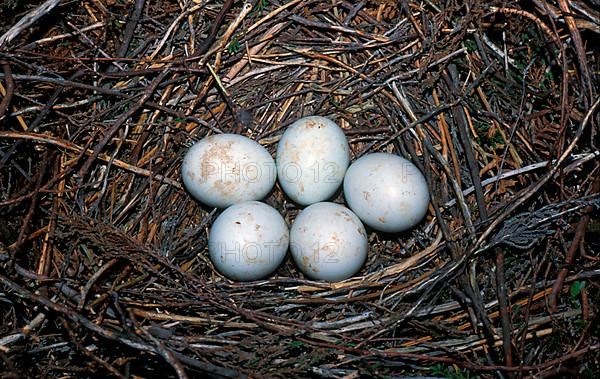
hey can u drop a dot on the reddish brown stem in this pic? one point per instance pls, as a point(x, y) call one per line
point(571, 253)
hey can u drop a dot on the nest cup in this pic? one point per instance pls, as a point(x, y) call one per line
point(104, 256)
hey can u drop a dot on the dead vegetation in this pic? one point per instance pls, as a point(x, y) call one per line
point(103, 262)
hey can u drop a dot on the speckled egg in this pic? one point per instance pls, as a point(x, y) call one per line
point(387, 192)
point(225, 169)
point(312, 158)
point(328, 242)
point(248, 241)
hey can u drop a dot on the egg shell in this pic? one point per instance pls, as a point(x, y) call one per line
point(312, 158)
point(248, 241)
point(387, 192)
point(225, 169)
point(328, 242)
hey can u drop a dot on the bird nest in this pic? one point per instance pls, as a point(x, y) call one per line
point(103, 254)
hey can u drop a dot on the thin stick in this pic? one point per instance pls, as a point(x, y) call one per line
point(89, 152)
point(29, 19)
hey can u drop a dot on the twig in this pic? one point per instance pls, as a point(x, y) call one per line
point(579, 49)
point(106, 333)
point(92, 281)
point(172, 27)
point(214, 30)
point(29, 19)
point(10, 88)
point(504, 308)
point(130, 29)
point(580, 230)
point(103, 157)
point(578, 159)
point(466, 141)
point(108, 91)
point(533, 189)
point(110, 368)
point(120, 121)
point(58, 37)
point(25, 224)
